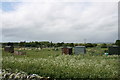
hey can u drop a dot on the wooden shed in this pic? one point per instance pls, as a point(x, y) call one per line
point(9, 49)
point(67, 51)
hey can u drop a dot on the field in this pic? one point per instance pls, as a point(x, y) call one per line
point(49, 62)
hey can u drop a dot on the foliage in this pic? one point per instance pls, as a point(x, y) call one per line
point(90, 45)
point(117, 42)
point(104, 45)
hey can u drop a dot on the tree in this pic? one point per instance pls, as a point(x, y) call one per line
point(94, 45)
point(104, 45)
point(22, 44)
point(71, 44)
point(89, 45)
point(117, 42)
point(51, 44)
point(60, 44)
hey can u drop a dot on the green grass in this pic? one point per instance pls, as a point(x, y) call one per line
point(48, 62)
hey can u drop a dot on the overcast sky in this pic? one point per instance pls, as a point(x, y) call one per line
point(58, 21)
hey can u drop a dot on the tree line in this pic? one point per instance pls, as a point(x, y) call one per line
point(44, 44)
point(47, 44)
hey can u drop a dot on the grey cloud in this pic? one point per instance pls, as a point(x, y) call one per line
point(69, 22)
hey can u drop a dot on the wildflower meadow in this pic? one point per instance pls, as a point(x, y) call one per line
point(53, 64)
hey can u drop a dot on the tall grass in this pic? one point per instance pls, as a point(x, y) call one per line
point(55, 65)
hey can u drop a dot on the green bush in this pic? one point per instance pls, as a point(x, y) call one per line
point(117, 42)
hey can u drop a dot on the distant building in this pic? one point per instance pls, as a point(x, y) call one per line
point(114, 50)
point(9, 49)
point(79, 49)
point(67, 51)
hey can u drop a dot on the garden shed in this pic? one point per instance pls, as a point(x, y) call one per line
point(114, 50)
point(9, 49)
point(67, 50)
point(79, 49)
